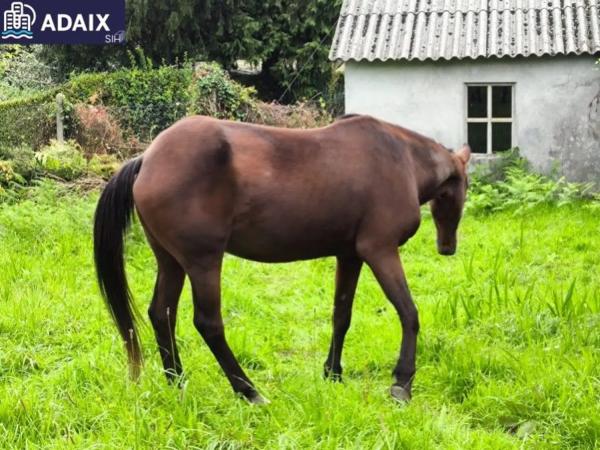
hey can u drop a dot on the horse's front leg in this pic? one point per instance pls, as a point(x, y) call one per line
point(346, 278)
point(387, 268)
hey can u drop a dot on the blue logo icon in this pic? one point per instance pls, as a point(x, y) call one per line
point(18, 21)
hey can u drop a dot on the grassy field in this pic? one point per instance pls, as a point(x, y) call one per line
point(509, 352)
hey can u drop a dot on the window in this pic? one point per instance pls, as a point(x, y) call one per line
point(490, 117)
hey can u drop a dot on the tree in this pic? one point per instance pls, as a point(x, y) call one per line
point(294, 45)
point(290, 39)
point(21, 71)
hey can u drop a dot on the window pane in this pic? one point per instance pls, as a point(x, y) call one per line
point(501, 101)
point(501, 136)
point(478, 137)
point(477, 99)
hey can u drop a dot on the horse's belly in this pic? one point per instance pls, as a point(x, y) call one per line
point(285, 245)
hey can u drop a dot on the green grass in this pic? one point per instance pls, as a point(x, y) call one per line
point(509, 352)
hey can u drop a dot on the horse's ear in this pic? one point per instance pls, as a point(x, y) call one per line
point(464, 154)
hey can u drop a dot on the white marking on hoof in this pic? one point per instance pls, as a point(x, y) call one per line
point(400, 394)
point(258, 400)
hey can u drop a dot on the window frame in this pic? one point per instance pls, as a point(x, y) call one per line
point(489, 119)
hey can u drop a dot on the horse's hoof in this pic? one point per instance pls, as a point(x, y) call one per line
point(257, 399)
point(330, 375)
point(400, 394)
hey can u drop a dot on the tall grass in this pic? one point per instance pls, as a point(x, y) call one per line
point(508, 353)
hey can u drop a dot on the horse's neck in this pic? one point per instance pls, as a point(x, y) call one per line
point(432, 170)
point(433, 164)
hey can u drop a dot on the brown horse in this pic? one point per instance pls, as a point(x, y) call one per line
point(204, 187)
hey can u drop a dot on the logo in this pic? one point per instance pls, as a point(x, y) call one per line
point(18, 21)
point(117, 38)
point(99, 22)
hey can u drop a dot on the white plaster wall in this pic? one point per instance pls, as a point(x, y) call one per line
point(555, 125)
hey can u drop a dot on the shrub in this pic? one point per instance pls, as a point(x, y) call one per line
point(143, 102)
point(7, 173)
point(511, 185)
point(86, 88)
point(300, 115)
point(63, 160)
point(104, 165)
point(22, 72)
point(96, 130)
point(139, 103)
point(214, 93)
point(23, 161)
point(146, 102)
point(29, 121)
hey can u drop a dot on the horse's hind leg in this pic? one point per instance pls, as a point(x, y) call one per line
point(346, 278)
point(205, 276)
point(163, 309)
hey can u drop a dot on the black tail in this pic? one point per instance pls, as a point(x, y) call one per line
point(111, 222)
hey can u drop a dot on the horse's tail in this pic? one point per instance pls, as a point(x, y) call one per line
point(111, 222)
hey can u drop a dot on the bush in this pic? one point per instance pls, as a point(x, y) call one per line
point(214, 93)
point(300, 115)
point(64, 160)
point(511, 185)
point(86, 88)
point(104, 166)
point(7, 173)
point(96, 130)
point(29, 121)
point(139, 103)
point(145, 102)
point(22, 73)
point(23, 161)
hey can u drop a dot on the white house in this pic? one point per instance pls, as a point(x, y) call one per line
point(496, 74)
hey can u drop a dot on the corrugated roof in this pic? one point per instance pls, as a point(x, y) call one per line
point(446, 29)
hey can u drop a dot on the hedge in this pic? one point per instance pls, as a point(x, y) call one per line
point(29, 121)
point(144, 102)
point(140, 103)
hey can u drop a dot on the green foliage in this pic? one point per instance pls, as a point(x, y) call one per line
point(7, 173)
point(290, 39)
point(29, 121)
point(64, 160)
point(103, 165)
point(144, 102)
point(23, 161)
point(214, 93)
point(86, 87)
point(511, 185)
point(22, 72)
point(148, 101)
point(295, 48)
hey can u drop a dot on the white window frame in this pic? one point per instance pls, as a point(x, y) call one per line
point(489, 120)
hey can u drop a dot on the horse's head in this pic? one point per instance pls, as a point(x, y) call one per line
point(448, 201)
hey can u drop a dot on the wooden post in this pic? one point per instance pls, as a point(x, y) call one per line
point(60, 118)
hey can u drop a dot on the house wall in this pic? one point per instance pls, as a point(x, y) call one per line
point(555, 123)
